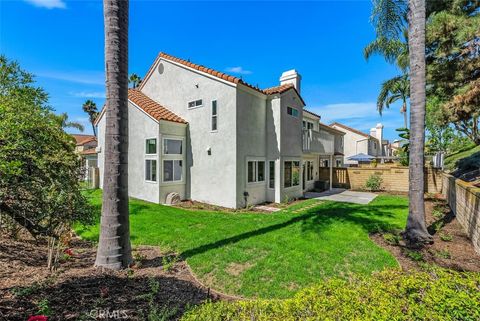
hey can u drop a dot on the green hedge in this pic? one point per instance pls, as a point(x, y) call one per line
point(390, 295)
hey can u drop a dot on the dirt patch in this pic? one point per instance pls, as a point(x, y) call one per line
point(451, 246)
point(236, 269)
point(157, 283)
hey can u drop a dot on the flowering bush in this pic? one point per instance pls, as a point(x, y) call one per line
point(38, 318)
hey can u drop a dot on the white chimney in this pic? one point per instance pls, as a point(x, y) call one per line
point(379, 132)
point(373, 132)
point(291, 77)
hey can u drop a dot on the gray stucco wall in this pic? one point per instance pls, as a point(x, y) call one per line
point(212, 177)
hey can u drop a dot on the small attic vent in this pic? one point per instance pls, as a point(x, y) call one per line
point(161, 68)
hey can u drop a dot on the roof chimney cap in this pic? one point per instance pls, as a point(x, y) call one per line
point(379, 125)
point(291, 77)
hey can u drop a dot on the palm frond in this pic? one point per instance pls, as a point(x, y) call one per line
point(389, 18)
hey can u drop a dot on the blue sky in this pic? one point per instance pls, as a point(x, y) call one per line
point(61, 42)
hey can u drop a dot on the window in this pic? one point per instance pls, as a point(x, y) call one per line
point(309, 169)
point(172, 146)
point(172, 170)
point(375, 145)
point(214, 115)
point(292, 173)
point(195, 103)
point(271, 174)
point(151, 170)
point(307, 125)
point(255, 171)
point(325, 163)
point(292, 111)
point(338, 162)
point(151, 146)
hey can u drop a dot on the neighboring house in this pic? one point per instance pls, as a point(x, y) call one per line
point(86, 148)
point(356, 142)
point(214, 138)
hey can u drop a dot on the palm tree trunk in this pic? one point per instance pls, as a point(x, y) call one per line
point(404, 111)
point(94, 130)
point(114, 251)
point(416, 233)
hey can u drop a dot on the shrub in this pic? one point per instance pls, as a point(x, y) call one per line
point(446, 237)
point(414, 255)
point(374, 182)
point(389, 295)
point(391, 238)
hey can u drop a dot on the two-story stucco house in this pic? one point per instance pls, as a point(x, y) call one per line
point(356, 142)
point(214, 138)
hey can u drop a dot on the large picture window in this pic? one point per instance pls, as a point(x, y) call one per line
point(151, 146)
point(255, 171)
point(291, 173)
point(172, 146)
point(151, 170)
point(172, 170)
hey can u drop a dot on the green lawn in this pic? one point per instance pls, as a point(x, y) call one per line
point(268, 255)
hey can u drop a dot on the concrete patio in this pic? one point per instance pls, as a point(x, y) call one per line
point(343, 195)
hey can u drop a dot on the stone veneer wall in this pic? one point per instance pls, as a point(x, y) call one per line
point(393, 178)
point(464, 200)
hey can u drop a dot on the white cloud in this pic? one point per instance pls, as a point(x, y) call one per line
point(49, 4)
point(86, 94)
point(81, 77)
point(238, 70)
point(341, 111)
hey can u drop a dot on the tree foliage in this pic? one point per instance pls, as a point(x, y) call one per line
point(39, 171)
point(453, 62)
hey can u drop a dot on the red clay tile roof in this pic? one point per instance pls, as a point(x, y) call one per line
point(218, 74)
point(281, 89)
point(90, 151)
point(152, 108)
point(201, 68)
point(351, 129)
point(330, 128)
point(83, 139)
point(149, 106)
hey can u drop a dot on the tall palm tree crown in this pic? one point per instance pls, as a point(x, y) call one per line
point(392, 90)
point(65, 123)
point(135, 80)
point(91, 109)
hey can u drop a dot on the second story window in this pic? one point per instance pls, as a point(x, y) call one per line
point(214, 115)
point(292, 111)
point(151, 146)
point(195, 103)
point(172, 146)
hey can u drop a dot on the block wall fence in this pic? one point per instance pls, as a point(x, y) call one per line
point(462, 197)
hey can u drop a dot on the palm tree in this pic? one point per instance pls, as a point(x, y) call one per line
point(416, 233)
point(65, 123)
point(91, 109)
point(114, 249)
point(397, 88)
point(135, 80)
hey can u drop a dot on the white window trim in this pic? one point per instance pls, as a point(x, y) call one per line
point(145, 170)
point(300, 176)
point(156, 146)
point(298, 112)
point(194, 107)
point(173, 138)
point(256, 182)
point(274, 172)
point(211, 116)
point(179, 182)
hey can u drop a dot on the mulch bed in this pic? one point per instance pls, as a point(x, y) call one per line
point(455, 251)
point(78, 291)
